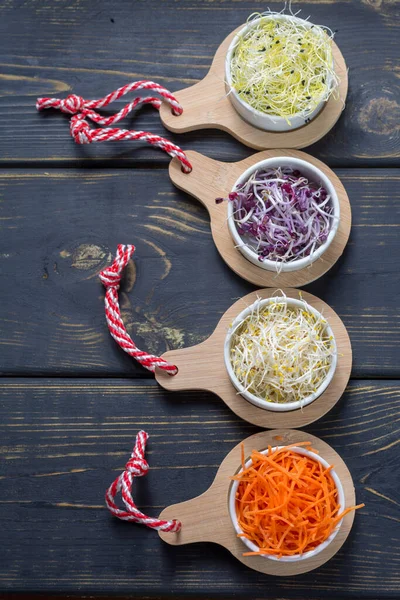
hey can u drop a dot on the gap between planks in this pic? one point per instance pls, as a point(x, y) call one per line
point(93, 164)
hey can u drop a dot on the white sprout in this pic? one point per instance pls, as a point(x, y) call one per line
point(281, 353)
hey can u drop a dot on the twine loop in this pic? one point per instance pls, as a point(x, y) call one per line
point(80, 130)
point(110, 278)
point(137, 466)
point(80, 109)
point(71, 105)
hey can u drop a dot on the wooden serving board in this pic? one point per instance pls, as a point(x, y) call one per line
point(202, 367)
point(211, 179)
point(206, 518)
point(207, 106)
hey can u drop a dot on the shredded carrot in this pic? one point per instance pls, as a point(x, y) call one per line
point(286, 503)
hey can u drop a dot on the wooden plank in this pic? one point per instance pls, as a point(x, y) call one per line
point(57, 48)
point(64, 440)
point(59, 228)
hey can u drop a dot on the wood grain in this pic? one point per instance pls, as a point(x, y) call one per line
point(56, 48)
point(59, 228)
point(64, 440)
point(206, 518)
point(202, 367)
point(220, 180)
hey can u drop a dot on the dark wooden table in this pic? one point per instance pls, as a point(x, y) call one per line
point(72, 402)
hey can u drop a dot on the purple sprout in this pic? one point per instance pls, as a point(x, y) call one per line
point(281, 215)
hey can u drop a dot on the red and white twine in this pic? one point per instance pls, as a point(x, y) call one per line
point(135, 467)
point(111, 277)
point(82, 109)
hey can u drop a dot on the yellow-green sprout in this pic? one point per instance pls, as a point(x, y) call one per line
point(283, 67)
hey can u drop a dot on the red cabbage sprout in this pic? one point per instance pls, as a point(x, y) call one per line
point(281, 215)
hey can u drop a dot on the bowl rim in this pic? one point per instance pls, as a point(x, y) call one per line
point(228, 78)
point(296, 558)
point(301, 263)
point(274, 406)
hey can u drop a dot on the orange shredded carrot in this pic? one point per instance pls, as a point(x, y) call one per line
point(286, 503)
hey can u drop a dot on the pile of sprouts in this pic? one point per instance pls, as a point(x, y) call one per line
point(281, 353)
point(281, 215)
point(283, 67)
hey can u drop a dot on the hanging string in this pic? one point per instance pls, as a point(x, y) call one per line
point(81, 109)
point(111, 278)
point(137, 466)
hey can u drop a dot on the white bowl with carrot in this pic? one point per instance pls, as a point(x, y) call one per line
point(287, 503)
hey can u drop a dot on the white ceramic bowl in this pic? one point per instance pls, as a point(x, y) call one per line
point(313, 174)
point(310, 553)
point(274, 406)
point(250, 114)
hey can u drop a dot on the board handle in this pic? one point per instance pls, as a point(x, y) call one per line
point(201, 110)
point(198, 110)
point(202, 518)
point(208, 180)
point(198, 367)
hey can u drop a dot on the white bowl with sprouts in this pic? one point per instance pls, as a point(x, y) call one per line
point(265, 369)
point(270, 121)
point(314, 175)
point(297, 557)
